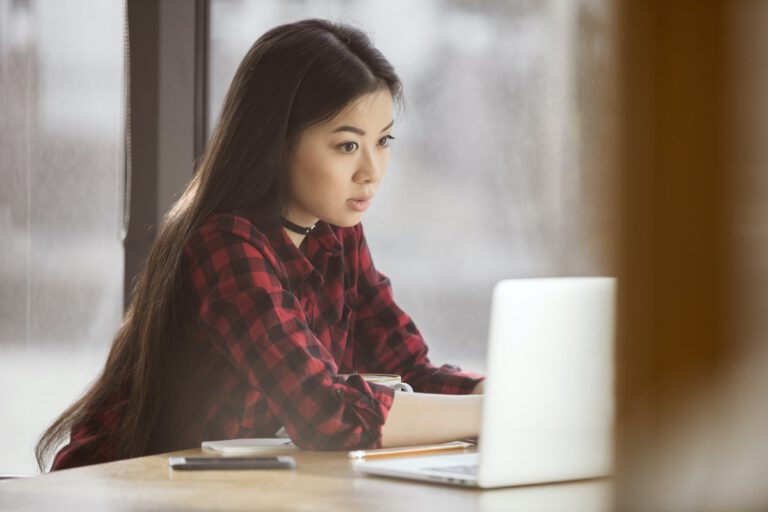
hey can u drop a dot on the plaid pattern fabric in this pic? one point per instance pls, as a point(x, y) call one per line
point(274, 326)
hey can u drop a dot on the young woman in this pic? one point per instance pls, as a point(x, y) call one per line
point(260, 291)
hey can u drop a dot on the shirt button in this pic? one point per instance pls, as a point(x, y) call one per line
point(339, 392)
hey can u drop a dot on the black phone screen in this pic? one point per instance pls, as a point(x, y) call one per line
point(281, 462)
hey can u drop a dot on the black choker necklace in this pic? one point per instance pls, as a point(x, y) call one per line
point(298, 229)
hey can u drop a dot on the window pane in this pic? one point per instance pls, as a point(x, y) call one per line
point(61, 263)
point(498, 169)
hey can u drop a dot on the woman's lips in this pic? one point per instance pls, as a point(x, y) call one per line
point(359, 205)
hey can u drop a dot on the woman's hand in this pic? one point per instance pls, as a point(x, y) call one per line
point(426, 418)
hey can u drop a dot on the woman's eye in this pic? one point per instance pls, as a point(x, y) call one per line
point(385, 141)
point(347, 147)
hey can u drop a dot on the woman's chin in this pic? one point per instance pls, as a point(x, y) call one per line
point(345, 221)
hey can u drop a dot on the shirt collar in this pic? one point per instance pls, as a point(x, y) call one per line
point(319, 245)
point(322, 238)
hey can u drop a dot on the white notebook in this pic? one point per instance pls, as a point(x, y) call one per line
point(249, 446)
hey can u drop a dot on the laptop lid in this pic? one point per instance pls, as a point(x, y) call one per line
point(548, 409)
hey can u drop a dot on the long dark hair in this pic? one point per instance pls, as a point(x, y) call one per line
point(294, 76)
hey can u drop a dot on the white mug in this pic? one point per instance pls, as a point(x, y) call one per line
point(387, 379)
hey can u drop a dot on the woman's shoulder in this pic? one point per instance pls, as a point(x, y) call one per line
point(233, 242)
point(269, 238)
point(229, 233)
point(230, 223)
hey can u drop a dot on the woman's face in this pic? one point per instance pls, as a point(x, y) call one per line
point(336, 166)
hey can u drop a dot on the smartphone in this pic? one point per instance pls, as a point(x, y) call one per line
point(281, 462)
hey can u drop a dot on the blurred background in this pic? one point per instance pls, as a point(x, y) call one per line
point(61, 257)
point(541, 138)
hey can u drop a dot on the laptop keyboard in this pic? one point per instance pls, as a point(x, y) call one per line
point(469, 469)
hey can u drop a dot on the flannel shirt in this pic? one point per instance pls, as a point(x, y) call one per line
point(272, 328)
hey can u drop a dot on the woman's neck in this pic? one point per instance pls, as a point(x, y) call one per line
point(296, 226)
point(296, 238)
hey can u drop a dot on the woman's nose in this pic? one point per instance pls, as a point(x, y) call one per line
point(371, 169)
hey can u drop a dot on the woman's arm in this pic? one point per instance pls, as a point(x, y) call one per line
point(422, 418)
point(387, 340)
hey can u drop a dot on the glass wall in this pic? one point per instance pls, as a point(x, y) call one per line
point(61, 262)
point(499, 168)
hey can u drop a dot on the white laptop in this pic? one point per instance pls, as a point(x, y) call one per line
point(548, 405)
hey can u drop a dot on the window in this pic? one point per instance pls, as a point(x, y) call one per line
point(61, 260)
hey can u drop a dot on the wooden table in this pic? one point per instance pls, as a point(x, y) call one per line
point(321, 481)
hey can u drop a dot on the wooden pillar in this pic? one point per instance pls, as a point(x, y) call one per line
point(168, 67)
point(676, 346)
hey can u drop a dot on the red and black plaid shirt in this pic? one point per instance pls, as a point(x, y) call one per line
point(274, 326)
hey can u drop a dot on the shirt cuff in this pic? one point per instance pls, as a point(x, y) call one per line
point(371, 403)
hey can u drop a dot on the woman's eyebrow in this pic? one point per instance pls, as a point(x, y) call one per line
point(358, 130)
